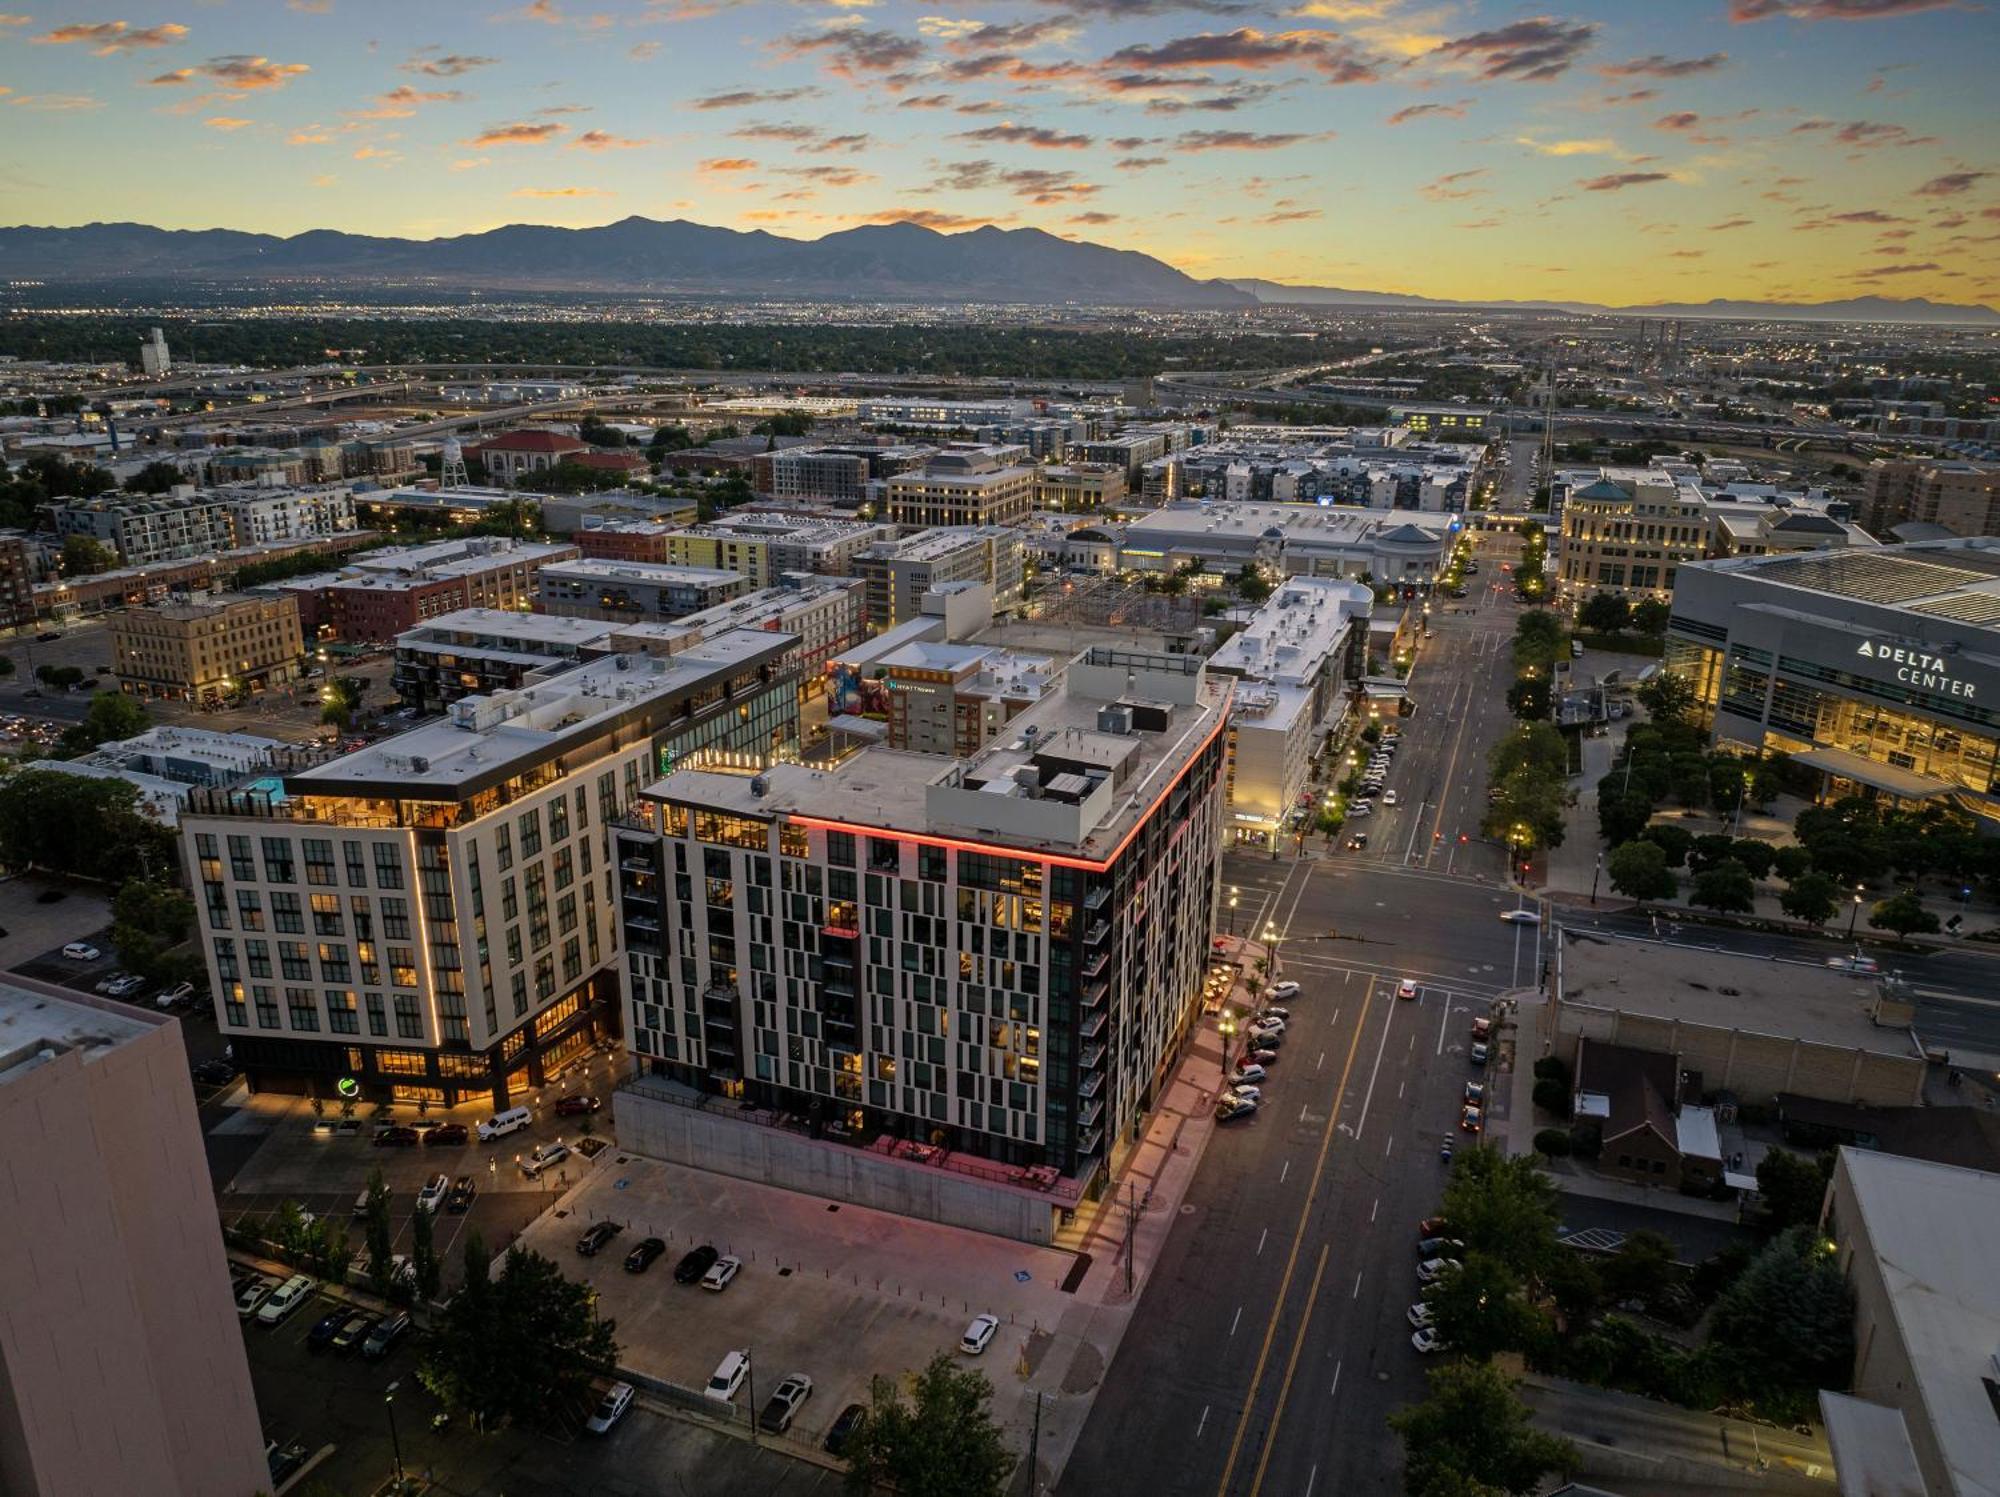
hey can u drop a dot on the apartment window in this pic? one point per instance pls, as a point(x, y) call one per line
point(514, 945)
point(340, 1015)
point(267, 1007)
point(378, 1020)
point(520, 994)
point(566, 914)
point(364, 922)
point(333, 962)
point(319, 862)
point(242, 867)
point(396, 919)
point(304, 1012)
point(217, 899)
point(258, 954)
point(402, 967)
point(408, 1025)
point(530, 825)
point(545, 978)
point(225, 961)
point(232, 1005)
point(503, 848)
point(326, 915)
point(840, 849)
point(277, 861)
point(293, 960)
point(572, 960)
point(357, 865)
point(558, 819)
point(388, 866)
point(510, 904)
point(285, 916)
point(565, 868)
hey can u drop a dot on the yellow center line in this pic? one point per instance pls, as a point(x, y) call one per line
point(1298, 1238)
point(1291, 1366)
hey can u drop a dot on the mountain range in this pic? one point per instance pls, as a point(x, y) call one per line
point(899, 261)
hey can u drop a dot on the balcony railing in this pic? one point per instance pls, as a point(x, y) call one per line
point(1092, 1057)
point(1095, 899)
point(1089, 1141)
point(1094, 993)
point(1097, 932)
point(1097, 964)
point(1092, 1084)
point(1094, 1025)
point(1091, 1112)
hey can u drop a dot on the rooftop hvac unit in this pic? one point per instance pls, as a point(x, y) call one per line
point(420, 764)
point(760, 786)
point(1114, 720)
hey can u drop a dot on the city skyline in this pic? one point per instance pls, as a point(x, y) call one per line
point(1792, 150)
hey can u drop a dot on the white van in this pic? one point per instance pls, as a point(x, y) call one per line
point(503, 1123)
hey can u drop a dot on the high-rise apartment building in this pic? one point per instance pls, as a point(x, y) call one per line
point(432, 916)
point(379, 595)
point(121, 1370)
point(1962, 497)
point(145, 531)
point(1000, 955)
point(17, 580)
point(763, 547)
point(899, 573)
point(620, 590)
point(206, 649)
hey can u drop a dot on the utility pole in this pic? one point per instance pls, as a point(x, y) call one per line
point(1594, 877)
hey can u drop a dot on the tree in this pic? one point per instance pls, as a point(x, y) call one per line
point(1791, 862)
point(1529, 699)
point(1675, 841)
point(1479, 1309)
point(1641, 1267)
point(669, 439)
point(423, 1256)
point(1668, 697)
point(1792, 1188)
point(1725, 887)
point(1710, 849)
point(594, 430)
point(1785, 1328)
point(1650, 617)
point(155, 478)
point(1502, 1206)
point(1811, 897)
point(1553, 1098)
point(943, 1443)
point(1472, 1435)
point(91, 828)
point(113, 716)
point(376, 1235)
point(342, 699)
point(1756, 856)
point(290, 1231)
point(329, 1249)
point(148, 921)
point(1251, 583)
point(84, 556)
point(1621, 815)
point(1606, 613)
point(507, 1348)
point(1904, 914)
point(1639, 869)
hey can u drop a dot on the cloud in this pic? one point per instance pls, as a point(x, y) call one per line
point(964, 176)
point(1866, 216)
point(1047, 188)
point(828, 176)
point(13, 21)
point(401, 102)
point(1594, 147)
point(311, 135)
point(1729, 223)
point(1834, 10)
point(926, 218)
point(604, 140)
point(1865, 134)
point(450, 65)
point(1686, 254)
point(227, 123)
point(972, 37)
point(850, 51)
point(738, 98)
point(55, 103)
point(1657, 65)
point(1453, 185)
point(1139, 163)
point(1680, 119)
point(643, 51)
point(1420, 111)
point(1291, 216)
point(1950, 185)
point(727, 164)
point(376, 153)
point(843, 143)
point(518, 134)
point(1881, 270)
point(1251, 50)
point(560, 192)
point(1125, 9)
point(1094, 217)
point(1042, 138)
point(1615, 181)
point(1479, 223)
point(1535, 50)
point(237, 73)
point(762, 131)
point(111, 38)
point(1240, 140)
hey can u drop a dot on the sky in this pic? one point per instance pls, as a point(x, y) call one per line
point(1617, 151)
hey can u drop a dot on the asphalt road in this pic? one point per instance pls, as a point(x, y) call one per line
point(1273, 1343)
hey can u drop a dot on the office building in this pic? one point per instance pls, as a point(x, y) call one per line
point(1079, 488)
point(146, 531)
point(377, 596)
point(1453, 422)
point(963, 486)
point(1001, 955)
point(207, 648)
point(262, 517)
point(121, 1369)
point(632, 590)
point(1879, 668)
point(926, 412)
point(838, 475)
point(478, 651)
point(516, 456)
point(955, 699)
point(763, 546)
point(155, 362)
point(899, 573)
point(431, 917)
point(1293, 661)
point(1129, 451)
point(625, 540)
point(1915, 1243)
point(821, 615)
point(569, 515)
point(1394, 547)
point(1962, 497)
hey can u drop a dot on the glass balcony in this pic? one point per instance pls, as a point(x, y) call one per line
point(1094, 1025)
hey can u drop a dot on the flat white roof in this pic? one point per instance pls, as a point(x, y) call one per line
point(32, 1021)
point(502, 624)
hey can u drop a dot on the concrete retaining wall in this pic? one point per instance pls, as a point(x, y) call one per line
point(713, 1140)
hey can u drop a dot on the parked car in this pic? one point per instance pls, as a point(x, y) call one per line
point(1266, 1024)
point(285, 1300)
point(446, 1133)
point(354, 1328)
point(594, 1237)
point(1426, 1340)
point(728, 1377)
point(462, 1192)
point(320, 1337)
point(1432, 1269)
point(1244, 1093)
point(432, 1195)
point(1407, 988)
point(1272, 1011)
point(542, 1157)
point(214, 1072)
point(1430, 1226)
point(1482, 1028)
point(695, 1263)
point(396, 1136)
point(1475, 1093)
point(643, 1253)
point(81, 951)
point(784, 1403)
point(1471, 1120)
point(1261, 1053)
point(1232, 1107)
point(848, 1421)
point(1479, 1052)
point(979, 1335)
point(720, 1273)
point(253, 1294)
point(1420, 1315)
point(1439, 1247)
point(109, 981)
point(1252, 1074)
point(1284, 990)
point(283, 1460)
point(576, 1107)
point(386, 1333)
point(610, 1408)
point(173, 997)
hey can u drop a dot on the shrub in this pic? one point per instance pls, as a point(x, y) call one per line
point(1552, 1068)
point(1552, 1097)
point(1586, 1140)
point(1552, 1142)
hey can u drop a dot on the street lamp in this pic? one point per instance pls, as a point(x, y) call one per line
point(1232, 909)
point(1227, 1028)
point(389, 1403)
point(1853, 913)
point(1271, 943)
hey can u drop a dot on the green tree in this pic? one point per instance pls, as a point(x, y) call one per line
point(1639, 869)
point(84, 556)
point(1250, 583)
point(148, 921)
point(112, 717)
point(1725, 887)
point(91, 828)
point(1668, 696)
point(290, 1231)
point(508, 1347)
point(1710, 849)
point(1642, 1266)
point(942, 1443)
point(1621, 815)
point(1471, 1436)
point(1675, 841)
point(1904, 914)
point(341, 699)
point(1605, 613)
point(1650, 616)
point(1792, 1188)
point(155, 478)
point(1756, 856)
point(1529, 699)
point(669, 439)
point(376, 1235)
point(424, 1264)
point(1785, 1328)
point(1504, 1207)
point(785, 424)
point(1479, 1309)
point(1538, 640)
point(593, 429)
point(1791, 862)
point(1811, 897)
point(329, 1249)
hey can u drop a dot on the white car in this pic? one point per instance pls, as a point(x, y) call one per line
point(720, 1273)
point(1246, 1093)
point(1426, 1340)
point(81, 951)
point(1267, 1024)
point(1407, 988)
point(979, 1335)
point(432, 1195)
point(1282, 1015)
point(1431, 1269)
point(728, 1377)
point(1388, 797)
point(610, 1409)
point(1251, 1074)
point(1420, 1315)
point(285, 1299)
point(1521, 917)
point(1865, 966)
point(253, 1295)
point(1360, 808)
point(1284, 990)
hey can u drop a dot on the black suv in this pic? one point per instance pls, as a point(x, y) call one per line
point(641, 1257)
point(691, 1268)
point(595, 1237)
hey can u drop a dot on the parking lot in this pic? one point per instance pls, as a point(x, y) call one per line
point(838, 1292)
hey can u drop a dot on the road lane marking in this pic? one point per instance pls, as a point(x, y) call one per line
point(1311, 1477)
point(1202, 1423)
point(1284, 1170)
point(1260, 1241)
point(1388, 1146)
point(1443, 1020)
point(1292, 1259)
point(1334, 1391)
point(1320, 1062)
point(1373, 1209)
point(1357, 1287)
point(1236, 1320)
point(1291, 1367)
point(1369, 1096)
